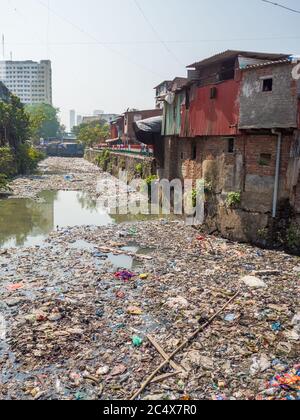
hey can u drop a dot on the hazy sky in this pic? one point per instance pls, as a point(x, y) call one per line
point(109, 54)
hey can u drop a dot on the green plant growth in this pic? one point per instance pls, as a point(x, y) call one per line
point(293, 237)
point(4, 183)
point(7, 162)
point(139, 170)
point(148, 183)
point(28, 158)
point(122, 164)
point(233, 199)
point(150, 179)
point(103, 159)
point(92, 133)
point(205, 185)
point(44, 121)
point(194, 197)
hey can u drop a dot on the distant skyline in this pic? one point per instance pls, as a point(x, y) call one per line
point(109, 55)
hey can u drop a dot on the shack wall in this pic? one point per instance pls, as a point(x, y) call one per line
point(212, 117)
point(274, 109)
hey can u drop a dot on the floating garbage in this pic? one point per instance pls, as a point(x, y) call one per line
point(125, 275)
point(69, 332)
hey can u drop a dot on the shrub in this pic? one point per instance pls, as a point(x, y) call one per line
point(233, 199)
point(103, 159)
point(4, 183)
point(147, 184)
point(7, 162)
point(293, 237)
point(139, 169)
point(28, 158)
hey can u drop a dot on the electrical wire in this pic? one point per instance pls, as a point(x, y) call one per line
point(99, 42)
point(157, 42)
point(281, 5)
point(157, 34)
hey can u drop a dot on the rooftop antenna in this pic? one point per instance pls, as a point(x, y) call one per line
point(11, 56)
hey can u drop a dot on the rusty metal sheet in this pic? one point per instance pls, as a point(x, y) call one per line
point(212, 117)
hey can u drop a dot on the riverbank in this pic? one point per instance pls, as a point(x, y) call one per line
point(58, 174)
point(76, 331)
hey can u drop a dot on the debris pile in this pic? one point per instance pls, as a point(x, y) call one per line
point(81, 325)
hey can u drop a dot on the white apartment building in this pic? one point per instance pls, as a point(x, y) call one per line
point(30, 81)
point(72, 119)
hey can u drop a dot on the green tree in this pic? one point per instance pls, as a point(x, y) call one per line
point(16, 154)
point(92, 133)
point(14, 123)
point(44, 121)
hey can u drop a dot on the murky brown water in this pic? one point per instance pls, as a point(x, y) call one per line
point(26, 222)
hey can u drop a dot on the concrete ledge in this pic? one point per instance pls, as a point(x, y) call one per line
point(125, 162)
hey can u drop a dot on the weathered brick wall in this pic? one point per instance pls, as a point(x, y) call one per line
point(243, 171)
point(297, 200)
point(274, 109)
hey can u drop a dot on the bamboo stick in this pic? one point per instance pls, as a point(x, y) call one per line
point(181, 347)
point(165, 376)
point(164, 354)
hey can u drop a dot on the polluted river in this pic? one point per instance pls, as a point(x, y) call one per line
point(89, 298)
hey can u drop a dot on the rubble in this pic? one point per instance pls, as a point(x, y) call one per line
point(75, 330)
point(72, 316)
point(254, 282)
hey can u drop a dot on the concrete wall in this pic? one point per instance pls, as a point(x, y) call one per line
point(274, 109)
point(121, 161)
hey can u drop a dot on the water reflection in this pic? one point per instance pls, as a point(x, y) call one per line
point(24, 222)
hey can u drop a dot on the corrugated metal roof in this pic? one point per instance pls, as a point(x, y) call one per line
point(267, 63)
point(228, 54)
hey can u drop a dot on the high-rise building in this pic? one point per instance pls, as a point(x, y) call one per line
point(79, 119)
point(72, 119)
point(30, 81)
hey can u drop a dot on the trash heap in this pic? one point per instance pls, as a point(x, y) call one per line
point(79, 325)
point(71, 175)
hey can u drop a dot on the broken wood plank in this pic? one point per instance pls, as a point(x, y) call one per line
point(181, 347)
point(164, 377)
point(164, 354)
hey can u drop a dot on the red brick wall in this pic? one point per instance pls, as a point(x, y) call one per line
point(181, 164)
point(297, 200)
point(257, 145)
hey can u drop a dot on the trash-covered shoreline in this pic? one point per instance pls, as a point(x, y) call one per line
point(58, 174)
point(71, 321)
point(76, 325)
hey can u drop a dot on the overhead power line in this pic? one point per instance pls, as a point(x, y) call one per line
point(97, 41)
point(282, 6)
point(157, 34)
point(196, 41)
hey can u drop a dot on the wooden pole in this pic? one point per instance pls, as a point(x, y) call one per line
point(182, 346)
point(163, 353)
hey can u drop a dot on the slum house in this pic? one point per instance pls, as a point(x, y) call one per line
point(235, 124)
point(116, 130)
point(122, 128)
point(131, 117)
point(160, 93)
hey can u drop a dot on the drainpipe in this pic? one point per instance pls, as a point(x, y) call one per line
point(277, 173)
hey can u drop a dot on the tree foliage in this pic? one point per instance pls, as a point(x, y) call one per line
point(16, 154)
point(44, 121)
point(14, 123)
point(92, 133)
